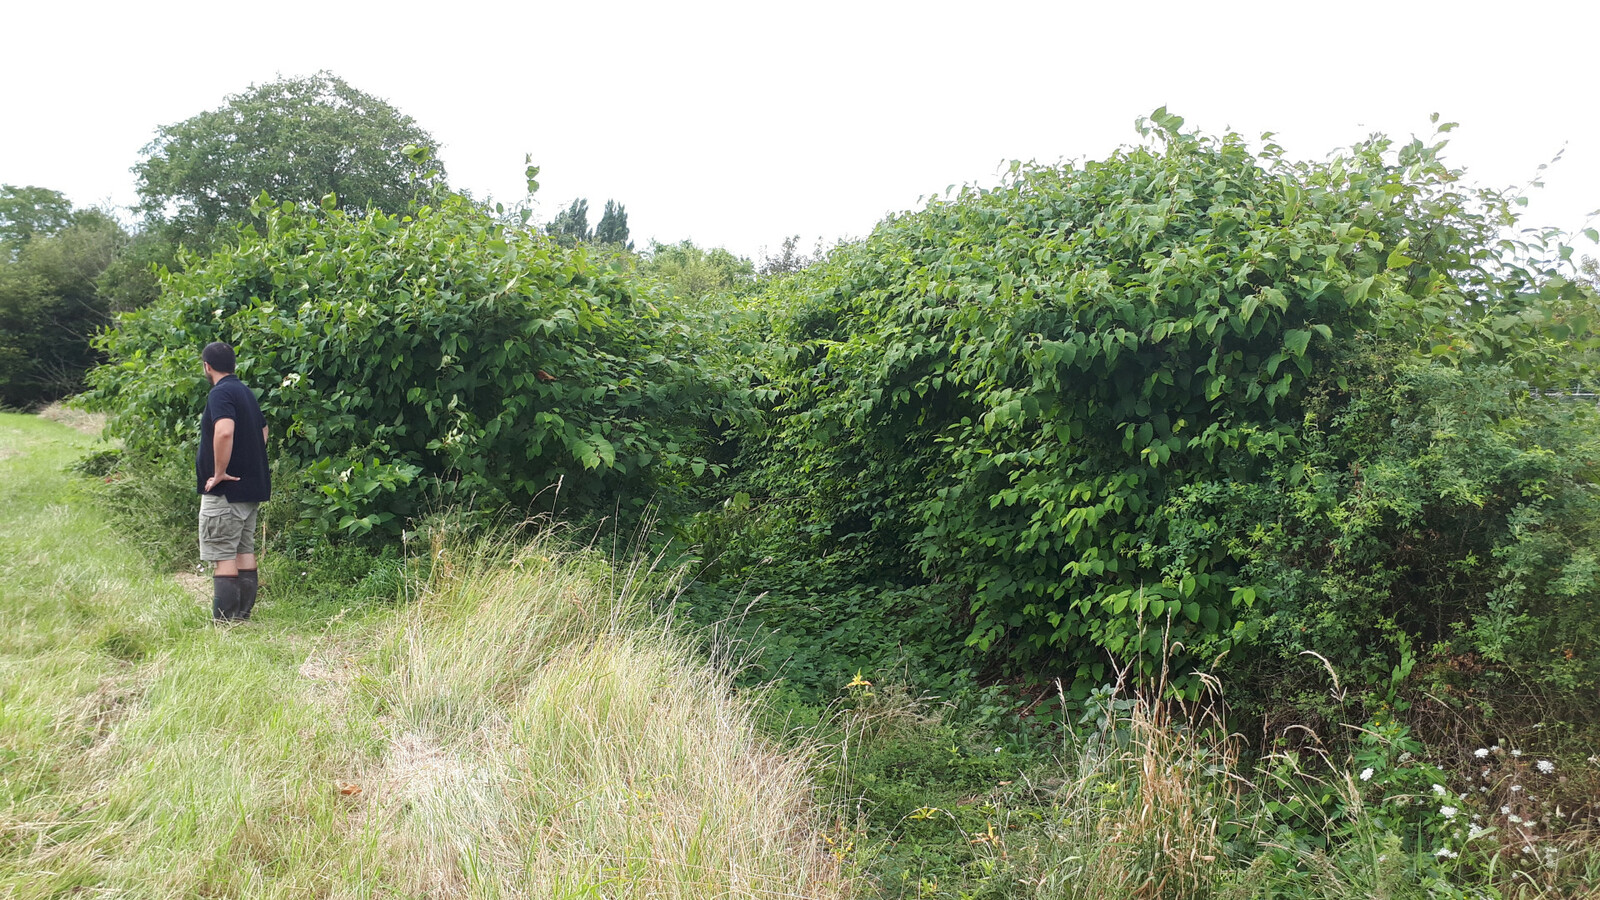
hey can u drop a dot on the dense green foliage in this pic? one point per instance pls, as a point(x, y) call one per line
point(51, 301)
point(613, 226)
point(27, 211)
point(1119, 413)
point(439, 358)
point(299, 139)
point(693, 273)
point(571, 225)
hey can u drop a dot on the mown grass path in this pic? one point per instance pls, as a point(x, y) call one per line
point(144, 751)
point(523, 729)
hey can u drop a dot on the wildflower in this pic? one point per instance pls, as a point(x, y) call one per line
point(1516, 753)
point(1546, 766)
point(1366, 774)
point(1481, 753)
point(1516, 788)
point(1505, 810)
point(1515, 820)
point(1449, 812)
point(1476, 832)
point(1445, 853)
point(1405, 757)
point(1526, 849)
point(1439, 789)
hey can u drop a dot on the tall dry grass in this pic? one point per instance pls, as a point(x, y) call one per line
point(1140, 813)
point(550, 739)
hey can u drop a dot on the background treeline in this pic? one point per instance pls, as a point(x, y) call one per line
point(1196, 414)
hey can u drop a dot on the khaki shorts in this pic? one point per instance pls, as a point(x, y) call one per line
point(227, 529)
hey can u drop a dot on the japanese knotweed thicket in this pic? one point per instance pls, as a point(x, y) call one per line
point(432, 359)
point(1119, 413)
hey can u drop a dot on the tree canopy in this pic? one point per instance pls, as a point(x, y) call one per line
point(51, 305)
point(298, 139)
point(571, 225)
point(26, 211)
point(613, 226)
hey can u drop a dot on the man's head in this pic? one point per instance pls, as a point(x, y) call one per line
point(218, 358)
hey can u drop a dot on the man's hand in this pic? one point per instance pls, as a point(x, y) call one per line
point(215, 480)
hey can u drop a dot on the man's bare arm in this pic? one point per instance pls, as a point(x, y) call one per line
point(221, 453)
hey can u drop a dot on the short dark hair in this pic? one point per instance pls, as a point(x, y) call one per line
point(218, 356)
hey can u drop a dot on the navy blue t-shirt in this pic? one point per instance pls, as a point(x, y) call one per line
point(230, 399)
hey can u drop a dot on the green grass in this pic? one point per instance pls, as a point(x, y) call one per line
point(148, 752)
point(520, 730)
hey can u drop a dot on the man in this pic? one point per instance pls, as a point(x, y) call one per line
point(232, 478)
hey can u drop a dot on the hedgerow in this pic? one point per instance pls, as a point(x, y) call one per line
point(438, 358)
point(1101, 415)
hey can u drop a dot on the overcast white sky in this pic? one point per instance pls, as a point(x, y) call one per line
point(735, 124)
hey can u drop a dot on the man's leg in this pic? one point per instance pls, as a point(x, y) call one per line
point(248, 584)
point(246, 560)
point(219, 544)
point(225, 593)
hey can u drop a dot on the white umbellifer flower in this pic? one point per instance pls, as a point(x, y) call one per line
point(1505, 810)
point(1516, 788)
point(1516, 753)
point(1476, 832)
point(1527, 849)
point(1366, 774)
point(1439, 789)
point(1405, 757)
point(1449, 812)
point(1546, 766)
point(1515, 820)
point(1481, 753)
point(1445, 853)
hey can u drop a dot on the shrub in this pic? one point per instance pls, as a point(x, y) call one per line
point(439, 357)
point(1033, 401)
